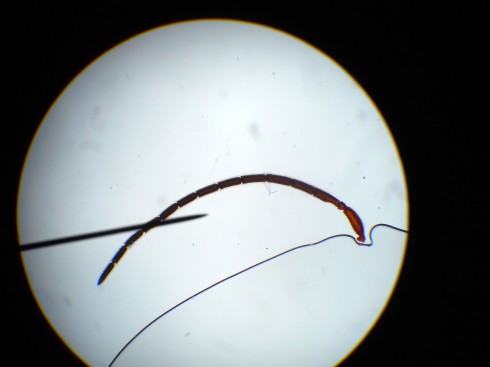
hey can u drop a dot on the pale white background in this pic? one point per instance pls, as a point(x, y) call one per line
point(176, 109)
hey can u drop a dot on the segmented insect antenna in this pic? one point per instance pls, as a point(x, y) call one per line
point(354, 219)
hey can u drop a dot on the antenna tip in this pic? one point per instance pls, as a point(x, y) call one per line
point(105, 273)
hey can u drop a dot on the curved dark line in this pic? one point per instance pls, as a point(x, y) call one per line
point(354, 219)
point(251, 267)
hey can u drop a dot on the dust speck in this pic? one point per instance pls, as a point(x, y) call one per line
point(254, 130)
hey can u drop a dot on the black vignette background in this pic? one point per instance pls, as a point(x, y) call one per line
point(424, 65)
